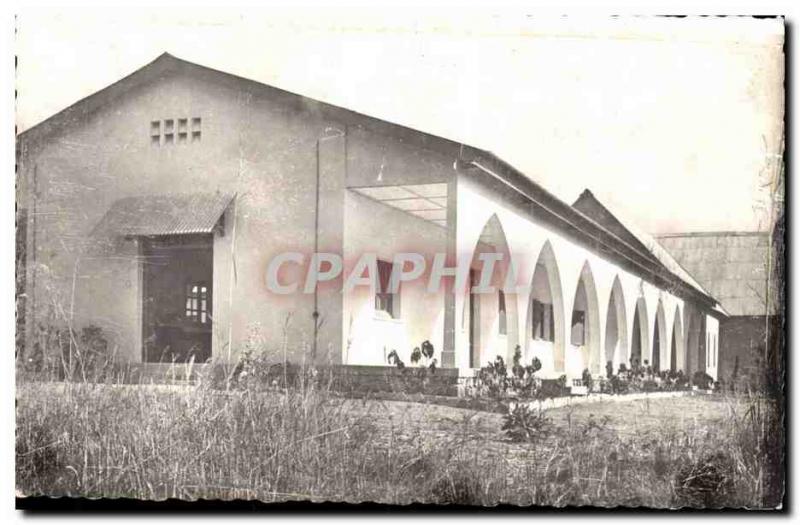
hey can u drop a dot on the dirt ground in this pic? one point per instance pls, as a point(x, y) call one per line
point(626, 417)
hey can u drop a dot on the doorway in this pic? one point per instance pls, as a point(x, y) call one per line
point(177, 297)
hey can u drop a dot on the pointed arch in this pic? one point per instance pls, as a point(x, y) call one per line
point(660, 353)
point(585, 324)
point(639, 337)
point(492, 313)
point(545, 326)
point(616, 337)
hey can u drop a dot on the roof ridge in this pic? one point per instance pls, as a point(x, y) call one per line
point(348, 116)
point(654, 248)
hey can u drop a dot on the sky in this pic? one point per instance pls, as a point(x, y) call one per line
point(674, 123)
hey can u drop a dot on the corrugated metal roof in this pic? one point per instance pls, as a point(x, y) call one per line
point(733, 266)
point(164, 214)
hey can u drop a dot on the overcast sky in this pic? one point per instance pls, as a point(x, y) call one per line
point(674, 123)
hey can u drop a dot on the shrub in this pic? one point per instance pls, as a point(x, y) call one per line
point(257, 371)
point(702, 380)
point(619, 385)
point(523, 424)
point(587, 379)
point(494, 380)
point(96, 361)
point(394, 359)
point(414, 380)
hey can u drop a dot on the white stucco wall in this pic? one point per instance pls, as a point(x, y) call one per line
point(712, 348)
point(526, 237)
point(372, 227)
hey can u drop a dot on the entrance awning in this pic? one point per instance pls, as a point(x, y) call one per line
point(189, 213)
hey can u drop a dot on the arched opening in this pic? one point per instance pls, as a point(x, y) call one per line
point(491, 309)
point(544, 331)
point(659, 338)
point(676, 347)
point(639, 337)
point(616, 340)
point(584, 333)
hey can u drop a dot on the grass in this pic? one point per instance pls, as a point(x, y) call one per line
point(156, 442)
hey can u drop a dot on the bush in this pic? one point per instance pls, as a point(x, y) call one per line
point(587, 379)
point(494, 380)
point(523, 424)
point(256, 371)
point(702, 380)
point(414, 380)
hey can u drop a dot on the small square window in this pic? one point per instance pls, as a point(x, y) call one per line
point(195, 136)
point(197, 303)
point(169, 125)
point(155, 127)
point(169, 138)
point(196, 122)
point(182, 137)
point(182, 124)
point(155, 140)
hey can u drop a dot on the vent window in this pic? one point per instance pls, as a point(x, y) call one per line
point(196, 123)
point(175, 131)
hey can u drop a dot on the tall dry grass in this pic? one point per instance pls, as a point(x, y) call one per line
point(156, 442)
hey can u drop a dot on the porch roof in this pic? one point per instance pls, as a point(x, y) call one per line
point(164, 214)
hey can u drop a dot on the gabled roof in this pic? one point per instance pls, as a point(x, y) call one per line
point(166, 64)
point(616, 243)
point(589, 205)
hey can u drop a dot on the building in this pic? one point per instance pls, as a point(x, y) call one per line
point(735, 268)
point(154, 208)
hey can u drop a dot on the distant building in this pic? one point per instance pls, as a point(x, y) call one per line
point(153, 208)
point(734, 267)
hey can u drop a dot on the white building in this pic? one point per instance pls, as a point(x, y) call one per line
point(214, 176)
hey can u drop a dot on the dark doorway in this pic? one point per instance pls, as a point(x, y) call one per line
point(636, 342)
point(177, 298)
point(657, 347)
point(702, 342)
point(673, 352)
